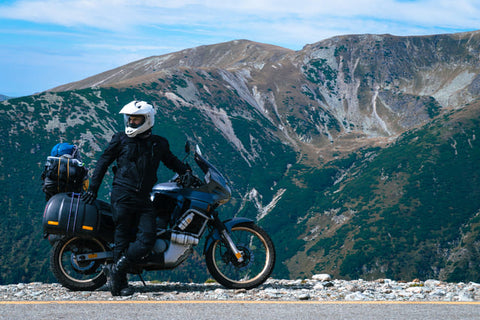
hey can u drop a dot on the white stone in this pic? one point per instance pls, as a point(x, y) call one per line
point(356, 296)
point(318, 286)
point(415, 289)
point(465, 296)
point(351, 287)
point(438, 293)
point(322, 277)
point(432, 283)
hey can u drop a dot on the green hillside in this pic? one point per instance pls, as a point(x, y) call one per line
point(89, 118)
point(410, 210)
point(407, 211)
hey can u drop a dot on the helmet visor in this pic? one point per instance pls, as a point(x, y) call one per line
point(135, 121)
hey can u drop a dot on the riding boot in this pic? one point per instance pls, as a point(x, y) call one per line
point(117, 274)
point(126, 290)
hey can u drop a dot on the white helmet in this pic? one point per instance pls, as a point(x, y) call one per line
point(138, 108)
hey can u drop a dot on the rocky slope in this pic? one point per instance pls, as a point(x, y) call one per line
point(351, 89)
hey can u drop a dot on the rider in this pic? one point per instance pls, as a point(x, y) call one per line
point(138, 153)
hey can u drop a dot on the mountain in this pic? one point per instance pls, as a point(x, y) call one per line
point(358, 154)
point(408, 210)
point(2, 97)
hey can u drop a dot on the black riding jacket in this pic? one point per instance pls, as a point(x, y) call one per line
point(137, 162)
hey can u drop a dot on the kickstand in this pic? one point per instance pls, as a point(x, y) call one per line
point(141, 278)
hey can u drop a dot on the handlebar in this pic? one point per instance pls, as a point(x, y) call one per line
point(188, 180)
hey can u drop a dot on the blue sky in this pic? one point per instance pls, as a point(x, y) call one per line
point(46, 43)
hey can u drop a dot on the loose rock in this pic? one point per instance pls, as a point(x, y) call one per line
point(318, 288)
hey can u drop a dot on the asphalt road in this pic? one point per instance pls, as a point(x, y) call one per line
point(266, 310)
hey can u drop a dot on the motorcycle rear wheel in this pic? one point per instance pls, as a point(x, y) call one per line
point(258, 254)
point(73, 274)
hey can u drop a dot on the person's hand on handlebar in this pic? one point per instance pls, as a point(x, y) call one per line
point(187, 178)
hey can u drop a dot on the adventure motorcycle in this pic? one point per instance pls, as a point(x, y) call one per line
point(238, 253)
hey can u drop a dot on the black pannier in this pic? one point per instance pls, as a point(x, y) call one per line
point(67, 214)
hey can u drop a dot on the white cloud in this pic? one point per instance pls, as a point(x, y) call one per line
point(124, 14)
point(99, 14)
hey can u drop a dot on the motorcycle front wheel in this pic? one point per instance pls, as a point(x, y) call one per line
point(74, 274)
point(258, 258)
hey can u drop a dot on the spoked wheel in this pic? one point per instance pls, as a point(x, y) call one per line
point(258, 258)
point(73, 273)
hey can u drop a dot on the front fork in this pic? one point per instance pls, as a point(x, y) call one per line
point(226, 237)
point(220, 226)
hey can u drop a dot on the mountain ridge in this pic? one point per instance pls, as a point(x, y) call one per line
point(373, 123)
point(202, 58)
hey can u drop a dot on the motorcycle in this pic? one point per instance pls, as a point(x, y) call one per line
point(239, 254)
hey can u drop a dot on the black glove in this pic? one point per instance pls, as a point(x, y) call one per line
point(89, 197)
point(186, 179)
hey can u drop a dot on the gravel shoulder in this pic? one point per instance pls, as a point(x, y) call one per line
point(318, 288)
